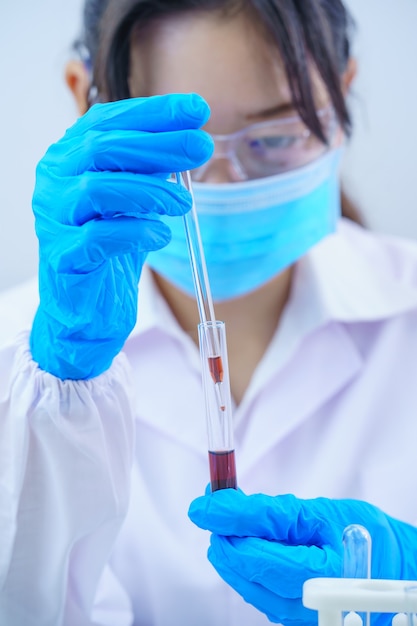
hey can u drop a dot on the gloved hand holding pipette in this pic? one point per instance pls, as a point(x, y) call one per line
point(266, 547)
point(99, 194)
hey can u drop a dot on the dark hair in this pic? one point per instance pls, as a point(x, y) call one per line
point(301, 29)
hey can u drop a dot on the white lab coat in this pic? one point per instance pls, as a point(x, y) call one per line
point(331, 411)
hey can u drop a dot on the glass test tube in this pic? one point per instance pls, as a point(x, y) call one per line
point(218, 406)
point(213, 354)
point(357, 548)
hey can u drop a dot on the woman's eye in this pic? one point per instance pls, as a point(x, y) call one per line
point(272, 142)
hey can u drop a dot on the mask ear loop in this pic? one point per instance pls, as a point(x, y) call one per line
point(85, 57)
point(92, 96)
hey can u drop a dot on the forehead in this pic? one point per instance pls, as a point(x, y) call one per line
point(229, 60)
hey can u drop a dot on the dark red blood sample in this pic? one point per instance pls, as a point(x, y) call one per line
point(222, 470)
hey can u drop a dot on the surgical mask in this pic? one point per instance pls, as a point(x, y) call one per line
point(253, 230)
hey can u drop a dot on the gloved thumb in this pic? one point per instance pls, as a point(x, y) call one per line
point(281, 518)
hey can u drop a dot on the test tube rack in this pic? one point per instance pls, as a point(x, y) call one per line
point(332, 597)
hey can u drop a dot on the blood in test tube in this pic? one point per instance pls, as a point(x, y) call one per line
point(215, 364)
point(216, 368)
point(222, 470)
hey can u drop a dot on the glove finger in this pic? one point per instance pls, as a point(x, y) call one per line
point(269, 601)
point(129, 151)
point(152, 114)
point(280, 568)
point(97, 241)
point(109, 194)
point(232, 512)
point(284, 518)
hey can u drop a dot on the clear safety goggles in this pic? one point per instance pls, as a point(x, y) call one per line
point(271, 147)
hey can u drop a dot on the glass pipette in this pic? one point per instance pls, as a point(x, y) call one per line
point(213, 353)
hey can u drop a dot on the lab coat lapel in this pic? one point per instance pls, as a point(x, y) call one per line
point(344, 280)
point(355, 277)
point(321, 366)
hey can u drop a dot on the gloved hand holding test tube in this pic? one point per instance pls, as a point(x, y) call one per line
point(214, 361)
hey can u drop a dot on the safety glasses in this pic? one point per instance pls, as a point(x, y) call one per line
point(271, 147)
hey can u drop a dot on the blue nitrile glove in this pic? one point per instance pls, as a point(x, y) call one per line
point(266, 547)
point(99, 195)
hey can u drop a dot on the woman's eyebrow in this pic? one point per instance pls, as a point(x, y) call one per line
point(274, 111)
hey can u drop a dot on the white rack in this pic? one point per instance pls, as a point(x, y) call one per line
point(332, 597)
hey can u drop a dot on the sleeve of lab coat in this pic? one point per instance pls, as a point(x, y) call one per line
point(66, 451)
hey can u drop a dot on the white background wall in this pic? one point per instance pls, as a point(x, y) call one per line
point(35, 110)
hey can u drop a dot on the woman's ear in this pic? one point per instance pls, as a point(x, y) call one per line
point(349, 75)
point(78, 80)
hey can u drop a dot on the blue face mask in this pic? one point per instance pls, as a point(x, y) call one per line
point(253, 230)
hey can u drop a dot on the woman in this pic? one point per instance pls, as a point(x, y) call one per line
point(103, 432)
